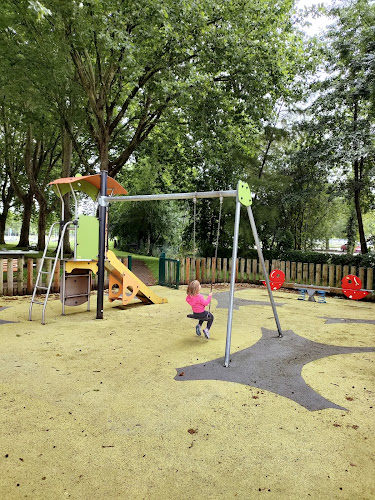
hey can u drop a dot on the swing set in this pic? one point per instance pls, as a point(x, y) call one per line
point(243, 197)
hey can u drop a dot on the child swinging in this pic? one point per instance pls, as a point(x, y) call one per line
point(198, 304)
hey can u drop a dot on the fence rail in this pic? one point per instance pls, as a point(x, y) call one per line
point(20, 279)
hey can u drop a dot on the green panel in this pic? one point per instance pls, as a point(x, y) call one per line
point(87, 237)
point(77, 185)
point(244, 194)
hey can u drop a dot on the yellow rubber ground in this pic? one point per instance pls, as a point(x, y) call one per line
point(90, 409)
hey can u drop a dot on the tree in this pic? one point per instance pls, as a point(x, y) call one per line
point(342, 115)
point(134, 63)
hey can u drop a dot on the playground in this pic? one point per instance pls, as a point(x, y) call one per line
point(135, 405)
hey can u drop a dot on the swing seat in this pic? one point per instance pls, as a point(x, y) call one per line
point(193, 316)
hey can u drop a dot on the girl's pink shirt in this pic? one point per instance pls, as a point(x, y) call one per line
point(198, 302)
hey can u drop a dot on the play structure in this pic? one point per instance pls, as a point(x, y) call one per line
point(77, 271)
point(351, 287)
point(92, 255)
point(277, 279)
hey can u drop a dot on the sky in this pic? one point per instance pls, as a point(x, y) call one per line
point(317, 25)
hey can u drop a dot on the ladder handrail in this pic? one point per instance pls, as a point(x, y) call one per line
point(57, 256)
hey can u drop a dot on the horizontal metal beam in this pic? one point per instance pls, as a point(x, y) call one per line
point(104, 200)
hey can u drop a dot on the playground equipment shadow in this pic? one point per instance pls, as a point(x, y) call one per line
point(91, 409)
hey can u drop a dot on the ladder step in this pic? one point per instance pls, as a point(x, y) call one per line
point(49, 258)
point(37, 302)
point(42, 287)
point(45, 272)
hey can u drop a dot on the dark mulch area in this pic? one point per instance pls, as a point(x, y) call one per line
point(142, 272)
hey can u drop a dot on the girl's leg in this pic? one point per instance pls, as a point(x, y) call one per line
point(210, 320)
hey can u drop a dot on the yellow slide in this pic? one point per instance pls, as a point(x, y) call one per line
point(123, 284)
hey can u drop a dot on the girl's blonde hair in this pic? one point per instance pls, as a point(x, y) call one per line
point(193, 287)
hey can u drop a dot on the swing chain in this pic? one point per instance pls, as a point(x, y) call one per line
point(218, 227)
point(195, 216)
point(216, 246)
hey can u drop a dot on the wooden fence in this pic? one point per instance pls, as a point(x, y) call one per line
point(18, 276)
point(250, 271)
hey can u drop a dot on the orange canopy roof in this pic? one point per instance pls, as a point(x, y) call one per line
point(89, 184)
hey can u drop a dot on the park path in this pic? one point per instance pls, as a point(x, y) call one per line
point(142, 272)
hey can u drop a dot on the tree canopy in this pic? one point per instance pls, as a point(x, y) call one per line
point(191, 95)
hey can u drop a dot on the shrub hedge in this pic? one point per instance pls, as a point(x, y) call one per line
point(343, 259)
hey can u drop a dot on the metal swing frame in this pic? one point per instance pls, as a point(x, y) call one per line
point(243, 197)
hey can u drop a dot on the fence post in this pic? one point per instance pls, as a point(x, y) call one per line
point(187, 270)
point(299, 272)
point(254, 269)
point(207, 275)
point(56, 277)
point(10, 277)
point(338, 275)
point(162, 268)
point(20, 276)
point(331, 279)
point(293, 275)
point(311, 278)
point(361, 275)
point(305, 277)
point(30, 280)
point(242, 270)
point(177, 274)
point(218, 268)
point(198, 270)
point(182, 270)
point(283, 266)
point(287, 271)
point(325, 274)
point(203, 269)
point(318, 274)
point(369, 281)
point(225, 263)
point(213, 270)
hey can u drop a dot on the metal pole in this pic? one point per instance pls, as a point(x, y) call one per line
point(232, 281)
point(172, 196)
point(260, 254)
point(101, 256)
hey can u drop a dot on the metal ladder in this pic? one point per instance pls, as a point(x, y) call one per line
point(39, 288)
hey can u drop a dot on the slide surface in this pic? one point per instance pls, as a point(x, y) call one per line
point(122, 276)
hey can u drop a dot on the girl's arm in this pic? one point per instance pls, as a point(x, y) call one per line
point(204, 301)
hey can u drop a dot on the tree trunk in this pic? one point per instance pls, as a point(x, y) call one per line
point(3, 219)
point(25, 229)
point(42, 222)
point(358, 166)
point(358, 171)
point(103, 151)
point(66, 172)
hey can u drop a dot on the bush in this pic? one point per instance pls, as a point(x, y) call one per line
point(359, 260)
